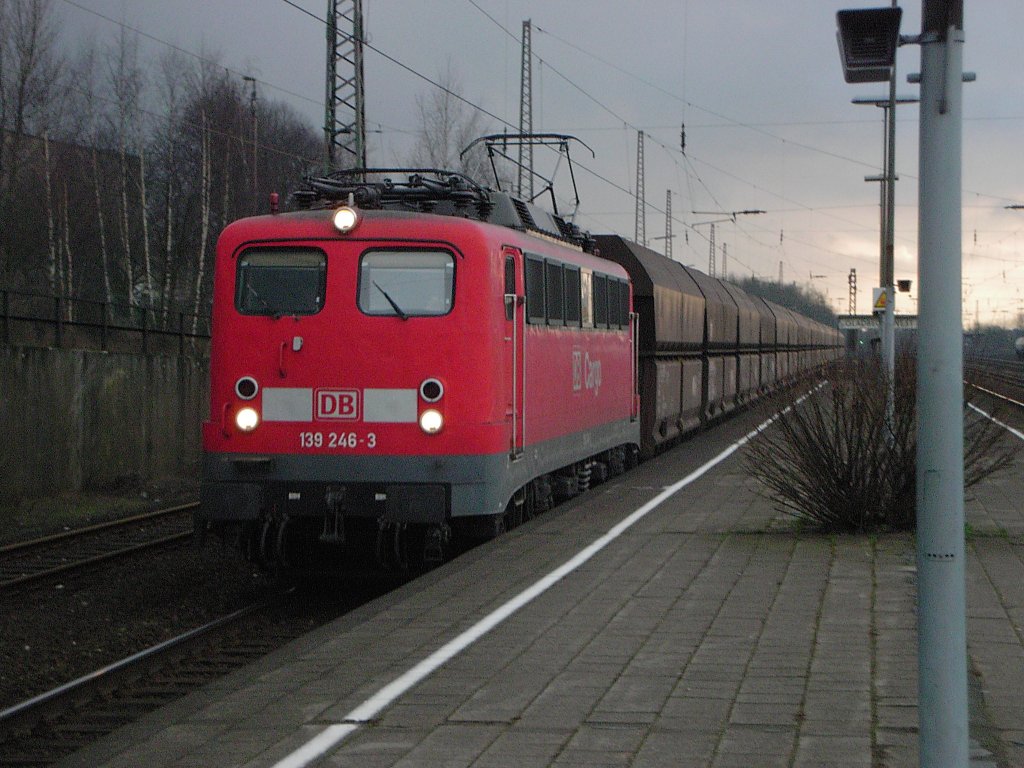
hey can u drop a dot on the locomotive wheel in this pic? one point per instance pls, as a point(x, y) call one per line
point(541, 495)
point(392, 547)
point(529, 502)
point(632, 457)
point(432, 547)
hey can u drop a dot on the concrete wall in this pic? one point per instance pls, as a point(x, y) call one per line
point(81, 419)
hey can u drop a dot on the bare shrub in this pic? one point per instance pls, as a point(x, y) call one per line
point(835, 463)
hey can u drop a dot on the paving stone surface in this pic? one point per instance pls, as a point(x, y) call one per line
point(712, 633)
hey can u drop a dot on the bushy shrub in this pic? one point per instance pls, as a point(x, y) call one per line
point(835, 462)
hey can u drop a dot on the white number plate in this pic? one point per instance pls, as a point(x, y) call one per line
point(337, 441)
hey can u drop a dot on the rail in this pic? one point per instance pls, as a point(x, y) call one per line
point(105, 672)
point(51, 725)
point(1001, 377)
point(31, 561)
point(66, 321)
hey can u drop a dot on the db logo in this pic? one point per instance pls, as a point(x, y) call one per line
point(577, 369)
point(585, 372)
point(340, 404)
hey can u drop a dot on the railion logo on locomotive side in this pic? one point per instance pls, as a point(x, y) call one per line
point(586, 373)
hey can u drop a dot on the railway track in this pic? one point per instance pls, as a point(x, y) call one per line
point(48, 727)
point(41, 558)
point(999, 377)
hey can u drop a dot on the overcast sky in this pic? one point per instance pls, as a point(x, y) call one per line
point(769, 122)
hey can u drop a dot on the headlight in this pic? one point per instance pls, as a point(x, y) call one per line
point(247, 419)
point(431, 421)
point(345, 219)
point(246, 388)
point(431, 390)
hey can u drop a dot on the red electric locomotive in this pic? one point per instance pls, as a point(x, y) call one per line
point(406, 356)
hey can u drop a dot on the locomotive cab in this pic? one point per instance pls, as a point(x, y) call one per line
point(332, 367)
point(383, 376)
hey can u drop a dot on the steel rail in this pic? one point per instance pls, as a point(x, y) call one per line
point(105, 672)
point(54, 538)
point(1006, 374)
point(25, 547)
point(993, 393)
point(112, 555)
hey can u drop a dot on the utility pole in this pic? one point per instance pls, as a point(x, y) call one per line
point(526, 115)
point(640, 234)
point(668, 223)
point(780, 271)
point(941, 586)
point(887, 232)
point(344, 102)
point(729, 216)
point(725, 262)
point(255, 143)
point(853, 291)
point(858, 43)
point(711, 252)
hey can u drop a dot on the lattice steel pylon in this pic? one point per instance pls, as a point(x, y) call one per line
point(668, 223)
point(853, 291)
point(711, 253)
point(344, 102)
point(525, 185)
point(640, 232)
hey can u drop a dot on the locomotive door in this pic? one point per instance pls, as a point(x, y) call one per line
point(515, 346)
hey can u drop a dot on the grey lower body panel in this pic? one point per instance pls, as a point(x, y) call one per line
point(408, 489)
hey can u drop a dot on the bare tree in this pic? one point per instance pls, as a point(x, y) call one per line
point(126, 82)
point(204, 214)
point(108, 288)
point(29, 76)
point(174, 72)
point(447, 126)
point(177, 179)
point(50, 223)
point(66, 236)
point(291, 148)
point(147, 263)
point(82, 126)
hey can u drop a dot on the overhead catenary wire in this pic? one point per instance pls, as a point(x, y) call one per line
point(187, 52)
point(212, 62)
point(690, 173)
point(191, 123)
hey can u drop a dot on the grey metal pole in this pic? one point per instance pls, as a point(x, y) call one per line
point(942, 641)
point(888, 267)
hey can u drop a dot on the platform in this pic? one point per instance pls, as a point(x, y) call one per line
point(706, 633)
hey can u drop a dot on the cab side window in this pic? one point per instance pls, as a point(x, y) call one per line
point(535, 290)
point(572, 296)
point(510, 286)
point(553, 292)
point(600, 301)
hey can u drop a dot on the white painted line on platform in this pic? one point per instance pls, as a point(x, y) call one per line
point(317, 746)
point(332, 735)
point(1015, 432)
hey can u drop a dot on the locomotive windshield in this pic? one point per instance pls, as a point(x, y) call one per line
point(281, 281)
point(406, 283)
